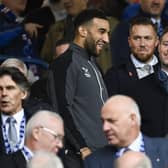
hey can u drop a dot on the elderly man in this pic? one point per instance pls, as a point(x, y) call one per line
point(121, 125)
point(44, 132)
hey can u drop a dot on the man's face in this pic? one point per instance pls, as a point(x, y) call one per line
point(74, 7)
point(163, 50)
point(51, 136)
point(16, 6)
point(97, 36)
point(117, 124)
point(143, 41)
point(153, 7)
point(11, 96)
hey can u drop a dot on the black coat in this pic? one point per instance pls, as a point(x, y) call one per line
point(147, 92)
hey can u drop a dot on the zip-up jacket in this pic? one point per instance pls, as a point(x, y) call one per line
point(80, 92)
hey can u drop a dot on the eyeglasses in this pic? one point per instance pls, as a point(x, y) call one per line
point(57, 137)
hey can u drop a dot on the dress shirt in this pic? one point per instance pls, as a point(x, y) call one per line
point(18, 117)
point(139, 65)
point(137, 145)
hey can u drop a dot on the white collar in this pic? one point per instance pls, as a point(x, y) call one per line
point(165, 71)
point(136, 144)
point(139, 64)
point(156, 20)
point(17, 116)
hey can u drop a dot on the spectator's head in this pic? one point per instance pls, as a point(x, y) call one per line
point(45, 131)
point(91, 30)
point(61, 46)
point(143, 38)
point(14, 88)
point(153, 7)
point(74, 7)
point(163, 49)
point(132, 159)
point(45, 159)
point(121, 120)
point(17, 6)
point(17, 63)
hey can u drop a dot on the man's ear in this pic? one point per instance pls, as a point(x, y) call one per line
point(36, 133)
point(24, 95)
point(82, 31)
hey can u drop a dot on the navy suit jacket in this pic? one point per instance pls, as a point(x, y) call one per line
point(147, 92)
point(155, 148)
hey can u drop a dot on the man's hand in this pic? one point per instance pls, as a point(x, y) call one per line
point(85, 152)
point(32, 29)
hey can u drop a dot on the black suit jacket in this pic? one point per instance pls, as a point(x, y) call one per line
point(15, 160)
point(147, 92)
point(155, 148)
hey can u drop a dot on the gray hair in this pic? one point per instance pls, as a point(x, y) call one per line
point(40, 119)
point(17, 63)
point(43, 159)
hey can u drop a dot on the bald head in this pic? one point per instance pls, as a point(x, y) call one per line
point(132, 159)
point(120, 112)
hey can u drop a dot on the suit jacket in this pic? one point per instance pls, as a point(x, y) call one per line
point(147, 92)
point(155, 148)
point(2, 146)
point(15, 160)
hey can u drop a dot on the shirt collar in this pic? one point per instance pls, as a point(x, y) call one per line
point(139, 64)
point(17, 116)
point(155, 20)
point(136, 144)
point(165, 71)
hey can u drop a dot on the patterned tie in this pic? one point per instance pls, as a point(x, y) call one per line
point(147, 68)
point(12, 133)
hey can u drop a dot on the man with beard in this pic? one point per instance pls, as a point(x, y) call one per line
point(152, 9)
point(79, 87)
point(128, 79)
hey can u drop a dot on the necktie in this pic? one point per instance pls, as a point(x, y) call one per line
point(147, 68)
point(12, 133)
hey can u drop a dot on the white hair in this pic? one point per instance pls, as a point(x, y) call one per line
point(45, 159)
point(40, 119)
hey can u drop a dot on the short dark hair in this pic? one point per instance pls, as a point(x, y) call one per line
point(17, 76)
point(87, 16)
point(164, 32)
point(142, 21)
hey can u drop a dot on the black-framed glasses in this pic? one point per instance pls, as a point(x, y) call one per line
point(57, 137)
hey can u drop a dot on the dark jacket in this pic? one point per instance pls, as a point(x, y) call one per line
point(80, 93)
point(155, 148)
point(147, 92)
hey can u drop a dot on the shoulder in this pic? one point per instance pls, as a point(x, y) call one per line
point(102, 157)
